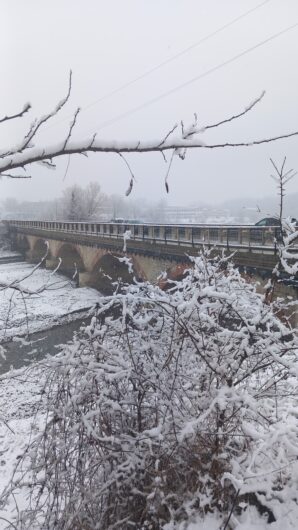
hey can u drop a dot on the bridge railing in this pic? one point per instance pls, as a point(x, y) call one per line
point(231, 236)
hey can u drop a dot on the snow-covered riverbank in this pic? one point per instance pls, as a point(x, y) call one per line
point(20, 312)
point(8, 253)
point(21, 391)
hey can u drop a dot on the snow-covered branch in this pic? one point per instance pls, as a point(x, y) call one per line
point(38, 154)
point(189, 137)
point(20, 114)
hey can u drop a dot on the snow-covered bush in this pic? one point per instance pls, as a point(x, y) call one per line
point(170, 405)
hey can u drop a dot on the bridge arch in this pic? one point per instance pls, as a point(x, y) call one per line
point(39, 250)
point(174, 273)
point(71, 259)
point(111, 268)
point(23, 244)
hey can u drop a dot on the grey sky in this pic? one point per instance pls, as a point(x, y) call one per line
point(109, 43)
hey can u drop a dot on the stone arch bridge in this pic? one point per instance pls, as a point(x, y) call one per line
point(95, 266)
point(96, 250)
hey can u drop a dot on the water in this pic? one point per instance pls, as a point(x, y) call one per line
point(66, 305)
point(40, 344)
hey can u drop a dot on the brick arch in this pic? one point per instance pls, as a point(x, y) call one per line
point(108, 269)
point(71, 259)
point(175, 272)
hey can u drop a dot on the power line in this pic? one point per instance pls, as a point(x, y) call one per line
point(169, 60)
point(194, 79)
point(176, 56)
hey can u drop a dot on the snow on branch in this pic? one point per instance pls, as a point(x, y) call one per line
point(36, 125)
point(89, 145)
point(25, 109)
point(188, 137)
point(236, 116)
point(8, 175)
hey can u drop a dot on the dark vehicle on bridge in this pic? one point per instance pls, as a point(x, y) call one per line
point(273, 221)
point(268, 221)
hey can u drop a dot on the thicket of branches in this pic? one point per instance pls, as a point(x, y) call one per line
point(168, 405)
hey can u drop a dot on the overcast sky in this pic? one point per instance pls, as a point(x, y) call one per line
point(110, 43)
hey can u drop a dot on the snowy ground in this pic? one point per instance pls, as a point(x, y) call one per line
point(20, 394)
point(8, 253)
point(18, 311)
point(20, 391)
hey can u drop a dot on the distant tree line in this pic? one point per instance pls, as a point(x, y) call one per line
point(91, 203)
point(85, 203)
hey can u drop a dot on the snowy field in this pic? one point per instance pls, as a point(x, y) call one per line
point(20, 312)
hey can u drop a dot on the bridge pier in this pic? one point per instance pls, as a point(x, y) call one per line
point(51, 263)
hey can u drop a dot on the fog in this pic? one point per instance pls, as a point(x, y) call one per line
point(110, 44)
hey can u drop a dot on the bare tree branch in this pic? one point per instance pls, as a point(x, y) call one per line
point(236, 116)
point(168, 134)
point(71, 127)
point(36, 125)
point(26, 108)
point(164, 157)
point(132, 179)
point(15, 176)
point(25, 153)
point(168, 172)
point(45, 118)
point(67, 167)
point(39, 154)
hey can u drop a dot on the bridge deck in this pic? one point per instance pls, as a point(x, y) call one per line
point(254, 247)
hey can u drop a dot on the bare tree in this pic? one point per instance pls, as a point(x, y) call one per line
point(79, 203)
point(94, 200)
point(287, 235)
point(73, 203)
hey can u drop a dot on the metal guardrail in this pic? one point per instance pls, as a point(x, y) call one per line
point(241, 237)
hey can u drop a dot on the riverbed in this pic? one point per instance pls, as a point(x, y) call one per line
point(22, 350)
point(39, 311)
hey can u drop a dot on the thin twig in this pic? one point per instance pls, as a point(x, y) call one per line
point(67, 167)
point(26, 108)
point(236, 116)
point(132, 179)
point(71, 127)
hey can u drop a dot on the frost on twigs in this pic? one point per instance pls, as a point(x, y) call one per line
point(29, 150)
point(127, 262)
point(171, 405)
